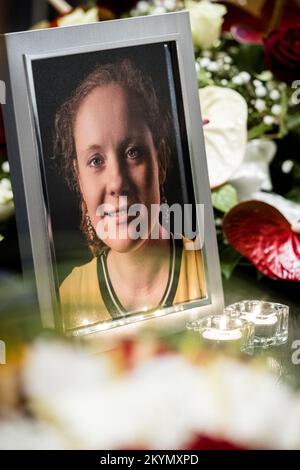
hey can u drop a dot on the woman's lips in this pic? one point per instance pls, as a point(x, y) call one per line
point(119, 216)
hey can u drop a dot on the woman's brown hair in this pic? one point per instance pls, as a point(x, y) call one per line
point(127, 75)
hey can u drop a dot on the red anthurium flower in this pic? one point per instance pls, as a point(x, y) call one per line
point(263, 235)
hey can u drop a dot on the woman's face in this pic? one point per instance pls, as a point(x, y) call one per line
point(117, 164)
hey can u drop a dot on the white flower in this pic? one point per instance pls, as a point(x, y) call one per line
point(287, 166)
point(207, 54)
point(227, 59)
point(142, 7)
point(204, 62)
point(224, 82)
point(5, 183)
point(226, 134)
point(197, 66)
point(245, 76)
point(206, 22)
point(79, 16)
point(6, 194)
point(5, 167)
point(276, 109)
point(170, 4)
point(260, 105)
point(25, 434)
point(257, 83)
point(260, 91)
point(226, 67)
point(237, 80)
point(274, 95)
point(159, 10)
point(269, 120)
point(254, 174)
point(213, 67)
point(161, 404)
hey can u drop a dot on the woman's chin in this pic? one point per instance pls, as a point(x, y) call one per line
point(124, 246)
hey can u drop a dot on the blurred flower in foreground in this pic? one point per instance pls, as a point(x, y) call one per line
point(226, 134)
point(206, 22)
point(165, 402)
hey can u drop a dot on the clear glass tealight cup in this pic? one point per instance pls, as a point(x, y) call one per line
point(224, 331)
point(270, 320)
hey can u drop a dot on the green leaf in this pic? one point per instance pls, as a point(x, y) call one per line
point(229, 259)
point(293, 121)
point(258, 131)
point(224, 198)
point(250, 58)
point(294, 195)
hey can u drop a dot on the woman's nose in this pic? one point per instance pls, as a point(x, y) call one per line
point(117, 183)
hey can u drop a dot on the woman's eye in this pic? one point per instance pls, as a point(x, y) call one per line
point(133, 153)
point(96, 161)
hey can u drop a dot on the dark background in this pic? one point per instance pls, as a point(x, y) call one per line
point(54, 81)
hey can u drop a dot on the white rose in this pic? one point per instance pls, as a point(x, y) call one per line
point(206, 22)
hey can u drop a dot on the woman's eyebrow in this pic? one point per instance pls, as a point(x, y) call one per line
point(92, 148)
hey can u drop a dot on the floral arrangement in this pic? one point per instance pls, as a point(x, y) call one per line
point(248, 91)
point(143, 395)
point(248, 76)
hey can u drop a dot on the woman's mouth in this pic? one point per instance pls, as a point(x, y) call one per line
point(119, 216)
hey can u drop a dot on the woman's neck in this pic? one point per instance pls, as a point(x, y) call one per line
point(143, 271)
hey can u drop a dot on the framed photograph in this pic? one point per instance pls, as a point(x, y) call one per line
point(111, 188)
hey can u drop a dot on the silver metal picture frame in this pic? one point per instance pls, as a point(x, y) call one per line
point(37, 67)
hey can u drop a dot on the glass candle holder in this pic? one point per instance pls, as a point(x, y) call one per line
point(270, 320)
point(224, 331)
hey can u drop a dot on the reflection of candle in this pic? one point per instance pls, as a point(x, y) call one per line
point(222, 335)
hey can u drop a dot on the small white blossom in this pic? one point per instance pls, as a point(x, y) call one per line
point(226, 67)
point(213, 67)
point(224, 82)
point(274, 95)
point(197, 66)
point(159, 10)
point(5, 184)
point(227, 59)
point(204, 62)
point(257, 83)
point(170, 4)
point(268, 120)
point(5, 167)
point(276, 109)
point(206, 54)
point(142, 7)
point(260, 91)
point(260, 105)
point(245, 76)
point(282, 86)
point(287, 166)
point(237, 80)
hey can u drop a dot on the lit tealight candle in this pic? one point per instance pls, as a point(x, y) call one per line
point(222, 335)
point(270, 320)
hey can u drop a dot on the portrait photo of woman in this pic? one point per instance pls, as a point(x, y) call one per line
point(113, 145)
